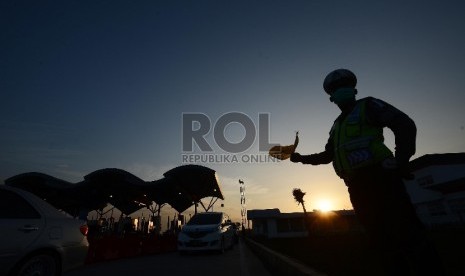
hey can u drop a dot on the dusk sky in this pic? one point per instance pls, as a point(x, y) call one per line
point(87, 85)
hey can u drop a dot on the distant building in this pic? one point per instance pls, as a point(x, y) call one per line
point(438, 190)
point(271, 223)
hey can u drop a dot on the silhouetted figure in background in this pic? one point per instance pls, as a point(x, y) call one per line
point(373, 175)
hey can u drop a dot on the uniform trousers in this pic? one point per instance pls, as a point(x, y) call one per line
point(395, 232)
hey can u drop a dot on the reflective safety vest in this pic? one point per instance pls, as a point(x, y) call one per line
point(357, 144)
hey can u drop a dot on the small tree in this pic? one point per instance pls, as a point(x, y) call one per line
point(299, 197)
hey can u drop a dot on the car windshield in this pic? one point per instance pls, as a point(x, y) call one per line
point(205, 219)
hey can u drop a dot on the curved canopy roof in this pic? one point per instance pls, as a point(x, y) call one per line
point(181, 187)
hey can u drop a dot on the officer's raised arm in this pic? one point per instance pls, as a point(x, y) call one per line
point(324, 157)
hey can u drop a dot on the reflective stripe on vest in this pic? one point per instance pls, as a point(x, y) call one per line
point(357, 144)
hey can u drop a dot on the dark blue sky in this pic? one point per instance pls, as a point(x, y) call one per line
point(88, 85)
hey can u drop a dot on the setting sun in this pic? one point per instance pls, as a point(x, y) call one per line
point(324, 205)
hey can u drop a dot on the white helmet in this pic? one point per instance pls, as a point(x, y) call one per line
point(339, 78)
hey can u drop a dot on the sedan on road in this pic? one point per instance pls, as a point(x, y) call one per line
point(36, 238)
point(206, 231)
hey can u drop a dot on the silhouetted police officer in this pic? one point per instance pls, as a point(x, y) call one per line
point(373, 175)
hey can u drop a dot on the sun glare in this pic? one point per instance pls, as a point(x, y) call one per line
point(324, 205)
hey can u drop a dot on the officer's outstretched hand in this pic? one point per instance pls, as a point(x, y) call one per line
point(296, 157)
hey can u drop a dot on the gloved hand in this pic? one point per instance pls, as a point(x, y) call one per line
point(405, 173)
point(296, 157)
point(400, 168)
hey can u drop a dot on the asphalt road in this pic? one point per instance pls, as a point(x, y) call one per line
point(239, 261)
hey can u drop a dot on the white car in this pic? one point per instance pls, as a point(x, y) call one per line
point(36, 238)
point(206, 231)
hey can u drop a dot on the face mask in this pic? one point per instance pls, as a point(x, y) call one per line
point(343, 96)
